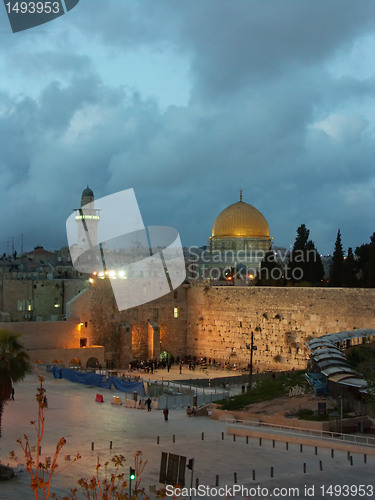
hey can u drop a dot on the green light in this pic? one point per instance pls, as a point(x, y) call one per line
point(132, 474)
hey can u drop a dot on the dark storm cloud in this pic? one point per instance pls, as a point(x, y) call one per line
point(265, 115)
point(233, 42)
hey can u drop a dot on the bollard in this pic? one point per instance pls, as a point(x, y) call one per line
point(271, 471)
point(92, 446)
point(273, 443)
point(157, 439)
point(365, 458)
point(320, 465)
point(110, 445)
point(332, 453)
point(202, 436)
point(304, 467)
point(260, 441)
point(234, 437)
point(253, 474)
point(174, 438)
point(301, 448)
point(316, 450)
point(217, 480)
point(348, 455)
point(40, 450)
point(351, 459)
point(247, 439)
point(222, 436)
point(287, 445)
point(235, 477)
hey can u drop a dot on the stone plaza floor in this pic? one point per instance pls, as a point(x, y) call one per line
point(73, 413)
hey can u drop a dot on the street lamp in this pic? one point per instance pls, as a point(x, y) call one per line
point(252, 348)
point(341, 413)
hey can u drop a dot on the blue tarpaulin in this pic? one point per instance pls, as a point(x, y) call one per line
point(123, 386)
point(97, 380)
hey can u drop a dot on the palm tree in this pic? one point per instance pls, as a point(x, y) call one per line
point(14, 364)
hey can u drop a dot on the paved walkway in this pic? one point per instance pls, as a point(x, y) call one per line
point(73, 414)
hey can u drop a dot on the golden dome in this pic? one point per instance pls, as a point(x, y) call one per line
point(240, 220)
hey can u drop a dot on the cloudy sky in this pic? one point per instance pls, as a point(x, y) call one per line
point(187, 102)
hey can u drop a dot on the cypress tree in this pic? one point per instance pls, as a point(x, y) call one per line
point(336, 274)
point(366, 263)
point(305, 263)
point(350, 270)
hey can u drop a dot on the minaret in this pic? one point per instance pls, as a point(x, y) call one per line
point(87, 218)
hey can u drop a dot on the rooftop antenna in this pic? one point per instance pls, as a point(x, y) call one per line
point(240, 194)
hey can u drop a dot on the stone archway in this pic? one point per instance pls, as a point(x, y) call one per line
point(75, 362)
point(92, 363)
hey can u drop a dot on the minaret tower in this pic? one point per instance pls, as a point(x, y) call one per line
point(87, 218)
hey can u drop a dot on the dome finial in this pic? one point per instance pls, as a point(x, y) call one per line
point(240, 194)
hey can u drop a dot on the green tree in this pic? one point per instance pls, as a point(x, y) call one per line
point(336, 274)
point(305, 264)
point(314, 272)
point(366, 263)
point(14, 364)
point(270, 273)
point(350, 270)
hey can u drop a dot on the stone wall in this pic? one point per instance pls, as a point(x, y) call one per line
point(46, 341)
point(221, 319)
point(109, 325)
point(216, 322)
point(42, 300)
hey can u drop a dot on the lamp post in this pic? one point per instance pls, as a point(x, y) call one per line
point(252, 348)
point(341, 414)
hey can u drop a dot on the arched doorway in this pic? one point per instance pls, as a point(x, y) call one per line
point(75, 363)
point(92, 363)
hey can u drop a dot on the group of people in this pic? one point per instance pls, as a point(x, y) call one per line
point(191, 412)
point(150, 365)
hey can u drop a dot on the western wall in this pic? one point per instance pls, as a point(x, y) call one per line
point(202, 321)
point(221, 318)
point(216, 322)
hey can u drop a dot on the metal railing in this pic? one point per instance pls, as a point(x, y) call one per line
point(308, 433)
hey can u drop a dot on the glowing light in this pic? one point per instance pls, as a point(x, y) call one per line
point(112, 274)
point(251, 276)
point(91, 280)
point(101, 275)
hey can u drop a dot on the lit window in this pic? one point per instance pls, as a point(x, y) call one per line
point(175, 312)
point(19, 305)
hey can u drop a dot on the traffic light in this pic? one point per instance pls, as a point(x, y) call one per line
point(190, 464)
point(132, 474)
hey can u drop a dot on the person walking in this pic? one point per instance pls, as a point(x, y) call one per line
point(12, 393)
point(166, 413)
point(148, 403)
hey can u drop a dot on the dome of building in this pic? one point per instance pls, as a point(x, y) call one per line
point(87, 192)
point(240, 220)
